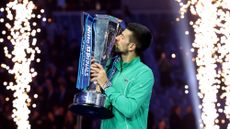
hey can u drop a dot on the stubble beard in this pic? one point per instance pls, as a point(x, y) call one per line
point(118, 51)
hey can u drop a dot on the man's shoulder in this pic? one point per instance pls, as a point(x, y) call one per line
point(142, 70)
point(143, 67)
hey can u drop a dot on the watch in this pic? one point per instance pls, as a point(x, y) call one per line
point(107, 85)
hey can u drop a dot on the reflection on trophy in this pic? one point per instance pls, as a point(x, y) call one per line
point(98, 39)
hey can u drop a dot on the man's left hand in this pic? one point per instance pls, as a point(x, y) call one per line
point(98, 74)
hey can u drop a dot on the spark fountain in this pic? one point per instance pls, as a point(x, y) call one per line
point(20, 49)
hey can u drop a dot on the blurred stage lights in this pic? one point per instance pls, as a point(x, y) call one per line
point(211, 47)
point(173, 55)
point(18, 34)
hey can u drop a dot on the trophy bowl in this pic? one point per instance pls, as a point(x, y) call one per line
point(90, 104)
point(98, 39)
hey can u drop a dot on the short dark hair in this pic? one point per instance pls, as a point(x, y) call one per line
point(141, 36)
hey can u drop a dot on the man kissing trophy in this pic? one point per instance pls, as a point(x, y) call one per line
point(98, 38)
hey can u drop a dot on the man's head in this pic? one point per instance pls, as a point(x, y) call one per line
point(135, 38)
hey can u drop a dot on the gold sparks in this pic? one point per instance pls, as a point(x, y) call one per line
point(212, 43)
point(18, 34)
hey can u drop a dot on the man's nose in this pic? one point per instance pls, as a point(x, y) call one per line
point(117, 37)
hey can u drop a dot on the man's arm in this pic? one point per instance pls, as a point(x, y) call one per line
point(138, 94)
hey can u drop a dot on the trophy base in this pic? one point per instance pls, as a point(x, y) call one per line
point(90, 104)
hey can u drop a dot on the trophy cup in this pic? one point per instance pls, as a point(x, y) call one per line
point(98, 38)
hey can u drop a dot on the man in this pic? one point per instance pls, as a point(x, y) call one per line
point(129, 91)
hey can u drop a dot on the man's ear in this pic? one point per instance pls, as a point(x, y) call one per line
point(132, 46)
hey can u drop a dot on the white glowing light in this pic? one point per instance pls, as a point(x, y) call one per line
point(4, 83)
point(38, 60)
point(7, 98)
point(1, 20)
point(34, 105)
point(222, 121)
point(36, 96)
point(44, 19)
point(38, 30)
point(192, 49)
point(39, 16)
point(2, 9)
point(212, 43)
point(34, 23)
point(42, 11)
point(186, 32)
point(186, 92)
point(33, 15)
point(220, 110)
point(173, 55)
point(186, 86)
point(3, 32)
point(19, 14)
point(1, 40)
point(218, 104)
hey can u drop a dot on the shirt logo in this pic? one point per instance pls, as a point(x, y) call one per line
point(126, 80)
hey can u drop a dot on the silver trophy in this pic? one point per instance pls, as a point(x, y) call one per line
point(98, 38)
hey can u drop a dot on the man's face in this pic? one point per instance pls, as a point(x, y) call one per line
point(122, 42)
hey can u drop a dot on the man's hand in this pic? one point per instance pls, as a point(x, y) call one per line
point(98, 74)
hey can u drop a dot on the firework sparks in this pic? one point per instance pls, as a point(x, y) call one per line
point(21, 51)
point(212, 43)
